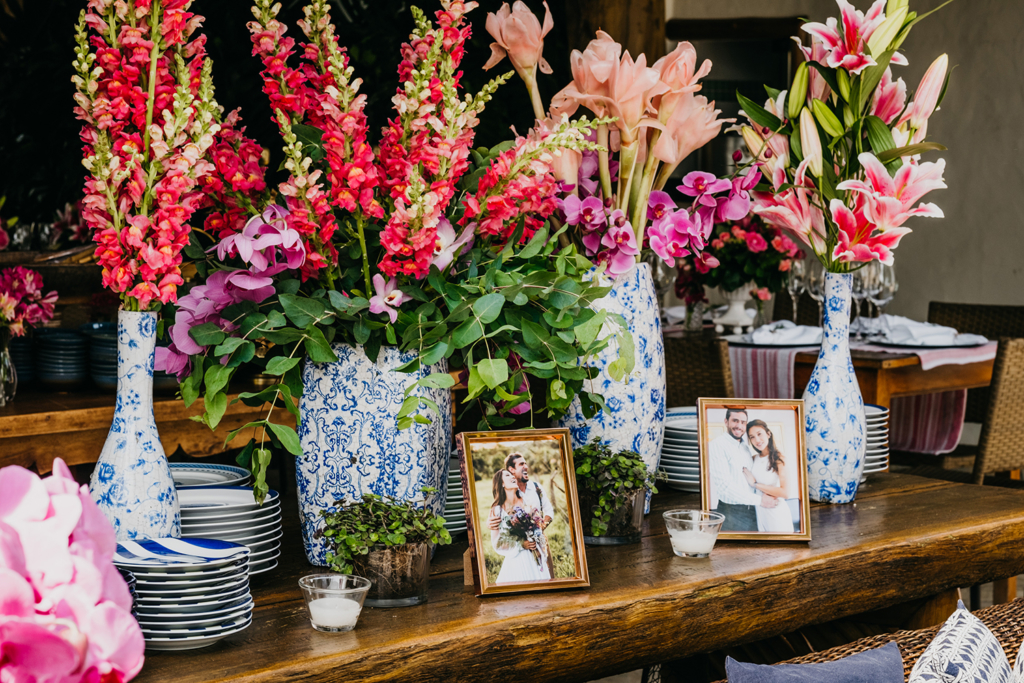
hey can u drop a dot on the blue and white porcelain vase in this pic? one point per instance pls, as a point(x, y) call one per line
point(351, 443)
point(833, 405)
point(635, 415)
point(132, 482)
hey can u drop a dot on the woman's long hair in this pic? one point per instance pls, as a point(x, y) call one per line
point(498, 488)
point(775, 460)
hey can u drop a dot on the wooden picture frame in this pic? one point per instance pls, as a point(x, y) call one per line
point(771, 432)
point(501, 560)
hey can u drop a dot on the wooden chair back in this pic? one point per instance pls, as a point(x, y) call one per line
point(696, 365)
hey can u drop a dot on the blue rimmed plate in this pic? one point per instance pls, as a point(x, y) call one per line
point(204, 475)
point(220, 499)
point(199, 553)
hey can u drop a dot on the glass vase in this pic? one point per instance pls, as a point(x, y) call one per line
point(8, 375)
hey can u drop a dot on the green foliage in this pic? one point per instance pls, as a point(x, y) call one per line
point(613, 478)
point(356, 529)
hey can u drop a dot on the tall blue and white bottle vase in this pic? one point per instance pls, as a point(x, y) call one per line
point(132, 481)
point(351, 443)
point(635, 415)
point(833, 405)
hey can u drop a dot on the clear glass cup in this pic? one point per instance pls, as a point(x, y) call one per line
point(693, 532)
point(815, 280)
point(796, 283)
point(334, 601)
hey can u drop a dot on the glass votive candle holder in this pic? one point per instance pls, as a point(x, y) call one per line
point(693, 532)
point(334, 601)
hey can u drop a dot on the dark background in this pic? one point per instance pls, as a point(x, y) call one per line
point(40, 153)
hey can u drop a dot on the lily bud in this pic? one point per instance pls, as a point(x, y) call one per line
point(827, 119)
point(884, 34)
point(927, 96)
point(844, 83)
point(758, 148)
point(798, 93)
point(810, 143)
point(896, 5)
point(848, 118)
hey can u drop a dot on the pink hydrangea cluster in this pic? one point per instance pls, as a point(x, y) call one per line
point(22, 302)
point(424, 151)
point(147, 127)
point(65, 611)
point(320, 93)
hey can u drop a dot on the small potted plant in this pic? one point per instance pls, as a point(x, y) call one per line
point(613, 490)
point(387, 541)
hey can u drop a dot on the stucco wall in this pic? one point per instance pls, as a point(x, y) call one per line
point(976, 253)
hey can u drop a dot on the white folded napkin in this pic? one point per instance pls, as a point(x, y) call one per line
point(784, 332)
point(895, 329)
point(675, 314)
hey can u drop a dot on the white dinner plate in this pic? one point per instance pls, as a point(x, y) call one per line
point(179, 597)
point(168, 630)
point(218, 513)
point(190, 643)
point(184, 575)
point(223, 498)
point(203, 621)
point(215, 614)
point(201, 474)
point(247, 537)
point(262, 567)
point(682, 423)
point(261, 525)
point(689, 488)
point(226, 586)
point(149, 609)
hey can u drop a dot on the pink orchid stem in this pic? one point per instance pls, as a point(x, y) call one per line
point(602, 161)
point(642, 192)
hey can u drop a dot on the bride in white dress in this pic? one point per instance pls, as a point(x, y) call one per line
point(768, 475)
point(519, 563)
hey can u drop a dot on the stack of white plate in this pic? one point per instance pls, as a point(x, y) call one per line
point(455, 505)
point(202, 474)
point(229, 513)
point(191, 592)
point(876, 459)
point(680, 454)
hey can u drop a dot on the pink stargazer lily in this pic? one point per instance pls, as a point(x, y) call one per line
point(859, 242)
point(817, 86)
point(888, 200)
point(388, 298)
point(926, 97)
point(889, 97)
point(848, 47)
point(793, 210)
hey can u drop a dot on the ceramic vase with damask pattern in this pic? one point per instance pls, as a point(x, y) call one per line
point(351, 443)
point(132, 481)
point(833, 405)
point(635, 418)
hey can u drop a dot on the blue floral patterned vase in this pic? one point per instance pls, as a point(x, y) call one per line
point(132, 482)
point(351, 443)
point(635, 415)
point(833, 406)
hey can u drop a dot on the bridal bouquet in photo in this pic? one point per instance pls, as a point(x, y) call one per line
point(842, 148)
point(525, 527)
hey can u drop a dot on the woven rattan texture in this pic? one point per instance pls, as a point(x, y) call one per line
point(696, 366)
point(1000, 449)
point(1006, 621)
point(990, 321)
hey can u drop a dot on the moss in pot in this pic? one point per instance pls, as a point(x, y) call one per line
point(612, 491)
point(387, 541)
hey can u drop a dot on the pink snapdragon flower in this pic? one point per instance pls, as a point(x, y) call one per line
point(388, 298)
point(64, 608)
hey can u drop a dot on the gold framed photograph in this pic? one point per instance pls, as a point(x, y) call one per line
point(754, 467)
point(522, 511)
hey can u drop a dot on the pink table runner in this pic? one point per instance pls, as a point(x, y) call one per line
point(930, 423)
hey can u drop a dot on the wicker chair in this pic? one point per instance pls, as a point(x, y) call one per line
point(990, 321)
point(807, 312)
point(696, 365)
point(1005, 621)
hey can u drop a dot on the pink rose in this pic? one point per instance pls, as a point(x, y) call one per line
point(755, 242)
point(785, 265)
point(761, 294)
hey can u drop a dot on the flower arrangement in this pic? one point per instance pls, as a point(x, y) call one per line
point(526, 527)
point(842, 147)
point(145, 97)
point(747, 250)
point(423, 243)
point(6, 226)
point(609, 481)
point(22, 302)
point(616, 207)
point(65, 611)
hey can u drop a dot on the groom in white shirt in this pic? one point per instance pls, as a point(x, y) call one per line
point(730, 493)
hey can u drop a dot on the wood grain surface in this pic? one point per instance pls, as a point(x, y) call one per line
point(904, 538)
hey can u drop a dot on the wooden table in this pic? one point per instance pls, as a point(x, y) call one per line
point(883, 376)
point(905, 538)
point(39, 426)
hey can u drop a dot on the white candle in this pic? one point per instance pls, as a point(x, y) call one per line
point(334, 612)
point(691, 541)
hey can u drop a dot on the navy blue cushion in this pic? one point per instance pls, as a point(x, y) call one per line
point(881, 665)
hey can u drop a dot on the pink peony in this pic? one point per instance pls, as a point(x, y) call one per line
point(64, 608)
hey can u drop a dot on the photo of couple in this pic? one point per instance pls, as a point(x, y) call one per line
point(753, 468)
point(526, 531)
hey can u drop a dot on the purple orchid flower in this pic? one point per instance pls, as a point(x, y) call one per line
point(588, 213)
point(737, 205)
point(658, 205)
point(447, 246)
point(260, 240)
point(388, 298)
